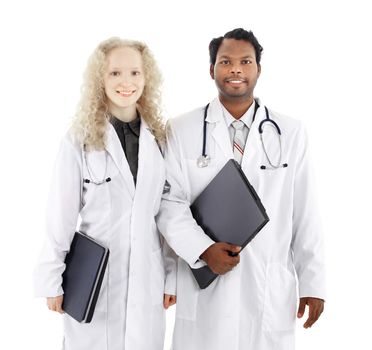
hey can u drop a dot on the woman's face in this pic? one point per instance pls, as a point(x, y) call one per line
point(124, 79)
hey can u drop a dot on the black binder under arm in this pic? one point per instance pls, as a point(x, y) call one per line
point(228, 210)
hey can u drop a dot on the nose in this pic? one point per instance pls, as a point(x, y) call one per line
point(126, 79)
point(235, 68)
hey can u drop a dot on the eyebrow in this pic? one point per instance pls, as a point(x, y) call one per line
point(247, 56)
point(119, 68)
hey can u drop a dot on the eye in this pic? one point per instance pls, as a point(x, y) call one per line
point(136, 72)
point(115, 73)
point(225, 62)
point(246, 61)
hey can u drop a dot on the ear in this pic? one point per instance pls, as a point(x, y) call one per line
point(211, 71)
point(258, 70)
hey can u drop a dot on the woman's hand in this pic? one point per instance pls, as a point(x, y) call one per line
point(55, 304)
point(169, 300)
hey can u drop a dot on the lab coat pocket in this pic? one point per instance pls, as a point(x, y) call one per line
point(280, 299)
point(157, 277)
point(187, 292)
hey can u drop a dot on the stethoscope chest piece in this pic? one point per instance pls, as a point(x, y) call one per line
point(203, 161)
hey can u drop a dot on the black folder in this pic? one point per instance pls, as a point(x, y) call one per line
point(228, 210)
point(82, 279)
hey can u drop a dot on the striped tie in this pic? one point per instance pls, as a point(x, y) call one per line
point(239, 140)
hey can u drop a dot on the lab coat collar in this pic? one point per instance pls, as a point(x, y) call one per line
point(215, 113)
point(260, 114)
point(220, 132)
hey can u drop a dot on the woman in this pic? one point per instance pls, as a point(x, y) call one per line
point(115, 135)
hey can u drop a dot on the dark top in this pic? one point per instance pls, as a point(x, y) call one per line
point(128, 134)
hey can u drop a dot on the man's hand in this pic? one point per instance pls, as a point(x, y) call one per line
point(169, 300)
point(55, 304)
point(218, 257)
point(316, 307)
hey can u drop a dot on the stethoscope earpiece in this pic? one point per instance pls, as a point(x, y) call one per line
point(87, 181)
point(264, 167)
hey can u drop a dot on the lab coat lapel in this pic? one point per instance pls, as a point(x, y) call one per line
point(253, 143)
point(145, 156)
point(220, 132)
point(115, 150)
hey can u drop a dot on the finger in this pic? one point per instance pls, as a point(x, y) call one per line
point(52, 306)
point(225, 269)
point(301, 308)
point(59, 309)
point(233, 261)
point(313, 316)
point(318, 312)
point(59, 306)
point(309, 322)
point(237, 258)
point(232, 248)
point(230, 266)
point(166, 301)
point(172, 300)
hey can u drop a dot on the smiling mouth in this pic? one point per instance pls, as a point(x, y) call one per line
point(125, 93)
point(235, 81)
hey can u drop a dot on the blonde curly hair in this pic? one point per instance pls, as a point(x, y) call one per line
point(92, 117)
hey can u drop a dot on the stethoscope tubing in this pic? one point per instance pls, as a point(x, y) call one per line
point(204, 159)
point(92, 180)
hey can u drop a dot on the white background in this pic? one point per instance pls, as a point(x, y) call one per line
point(316, 67)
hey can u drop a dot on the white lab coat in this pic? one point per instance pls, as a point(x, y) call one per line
point(253, 307)
point(129, 313)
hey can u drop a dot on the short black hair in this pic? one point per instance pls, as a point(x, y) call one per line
point(237, 34)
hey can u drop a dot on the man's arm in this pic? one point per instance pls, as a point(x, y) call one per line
point(175, 220)
point(307, 241)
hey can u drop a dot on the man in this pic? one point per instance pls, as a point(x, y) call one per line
point(252, 305)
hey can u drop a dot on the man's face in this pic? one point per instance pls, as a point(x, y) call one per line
point(235, 71)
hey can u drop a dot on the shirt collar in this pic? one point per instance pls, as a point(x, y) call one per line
point(246, 118)
point(134, 125)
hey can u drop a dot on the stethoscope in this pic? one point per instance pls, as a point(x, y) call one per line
point(92, 180)
point(204, 160)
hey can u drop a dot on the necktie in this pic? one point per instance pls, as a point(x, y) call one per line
point(239, 140)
